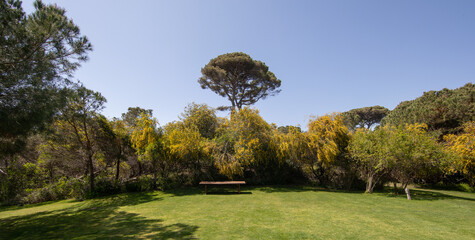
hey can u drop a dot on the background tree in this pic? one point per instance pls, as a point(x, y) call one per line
point(364, 117)
point(186, 152)
point(38, 53)
point(146, 140)
point(317, 149)
point(443, 111)
point(202, 117)
point(413, 152)
point(370, 149)
point(121, 139)
point(242, 142)
point(288, 129)
point(239, 78)
point(83, 105)
point(133, 114)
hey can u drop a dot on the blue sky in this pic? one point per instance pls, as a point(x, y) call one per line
point(331, 56)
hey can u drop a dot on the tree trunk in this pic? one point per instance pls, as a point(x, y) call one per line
point(369, 184)
point(396, 190)
point(155, 171)
point(118, 162)
point(140, 167)
point(91, 171)
point(408, 193)
point(117, 170)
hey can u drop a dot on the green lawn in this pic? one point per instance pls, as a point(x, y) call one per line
point(257, 213)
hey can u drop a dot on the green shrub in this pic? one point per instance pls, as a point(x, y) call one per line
point(464, 187)
point(63, 188)
point(139, 184)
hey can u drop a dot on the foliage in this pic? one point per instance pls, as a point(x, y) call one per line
point(16, 178)
point(288, 129)
point(364, 117)
point(242, 141)
point(463, 147)
point(134, 113)
point(415, 153)
point(443, 111)
point(329, 135)
point(121, 141)
point(38, 53)
point(405, 153)
point(146, 141)
point(239, 78)
point(79, 113)
point(202, 117)
point(186, 151)
point(318, 148)
point(370, 149)
point(63, 188)
point(145, 136)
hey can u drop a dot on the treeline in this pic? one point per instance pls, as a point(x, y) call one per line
point(55, 144)
point(83, 154)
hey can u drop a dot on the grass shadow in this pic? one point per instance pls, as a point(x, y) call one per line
point(211, 191)
point(16, 207)
point(416, 194)
point(97, 219)
point(227, 193)
point(248, 190)
point(299, 188)
point(424, 195)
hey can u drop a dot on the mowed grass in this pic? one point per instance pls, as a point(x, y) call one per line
point(258, 213)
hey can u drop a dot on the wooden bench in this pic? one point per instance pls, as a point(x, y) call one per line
point(223, 183)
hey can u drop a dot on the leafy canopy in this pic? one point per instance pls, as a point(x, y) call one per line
point(364, 117)
point(202, 117)
point(38, 53)
point(443, 111)
point(318, 148)
point(242, 141)
point(239, 78)
point(463, 146)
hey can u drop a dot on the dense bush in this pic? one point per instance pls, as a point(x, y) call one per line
point(63, 188)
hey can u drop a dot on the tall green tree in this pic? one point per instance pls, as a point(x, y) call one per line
point(39, 52)
point(364, 117)
point(239, 78)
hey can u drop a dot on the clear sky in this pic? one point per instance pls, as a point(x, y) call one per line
point(331, 56)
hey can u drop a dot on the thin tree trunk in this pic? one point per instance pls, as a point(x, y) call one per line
point(396, 190)
point(408, 193)
point(118, 161)
point(91, 171)
point(89, 154)
point(140, 167)
point(369, 184)
point(117, 170)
